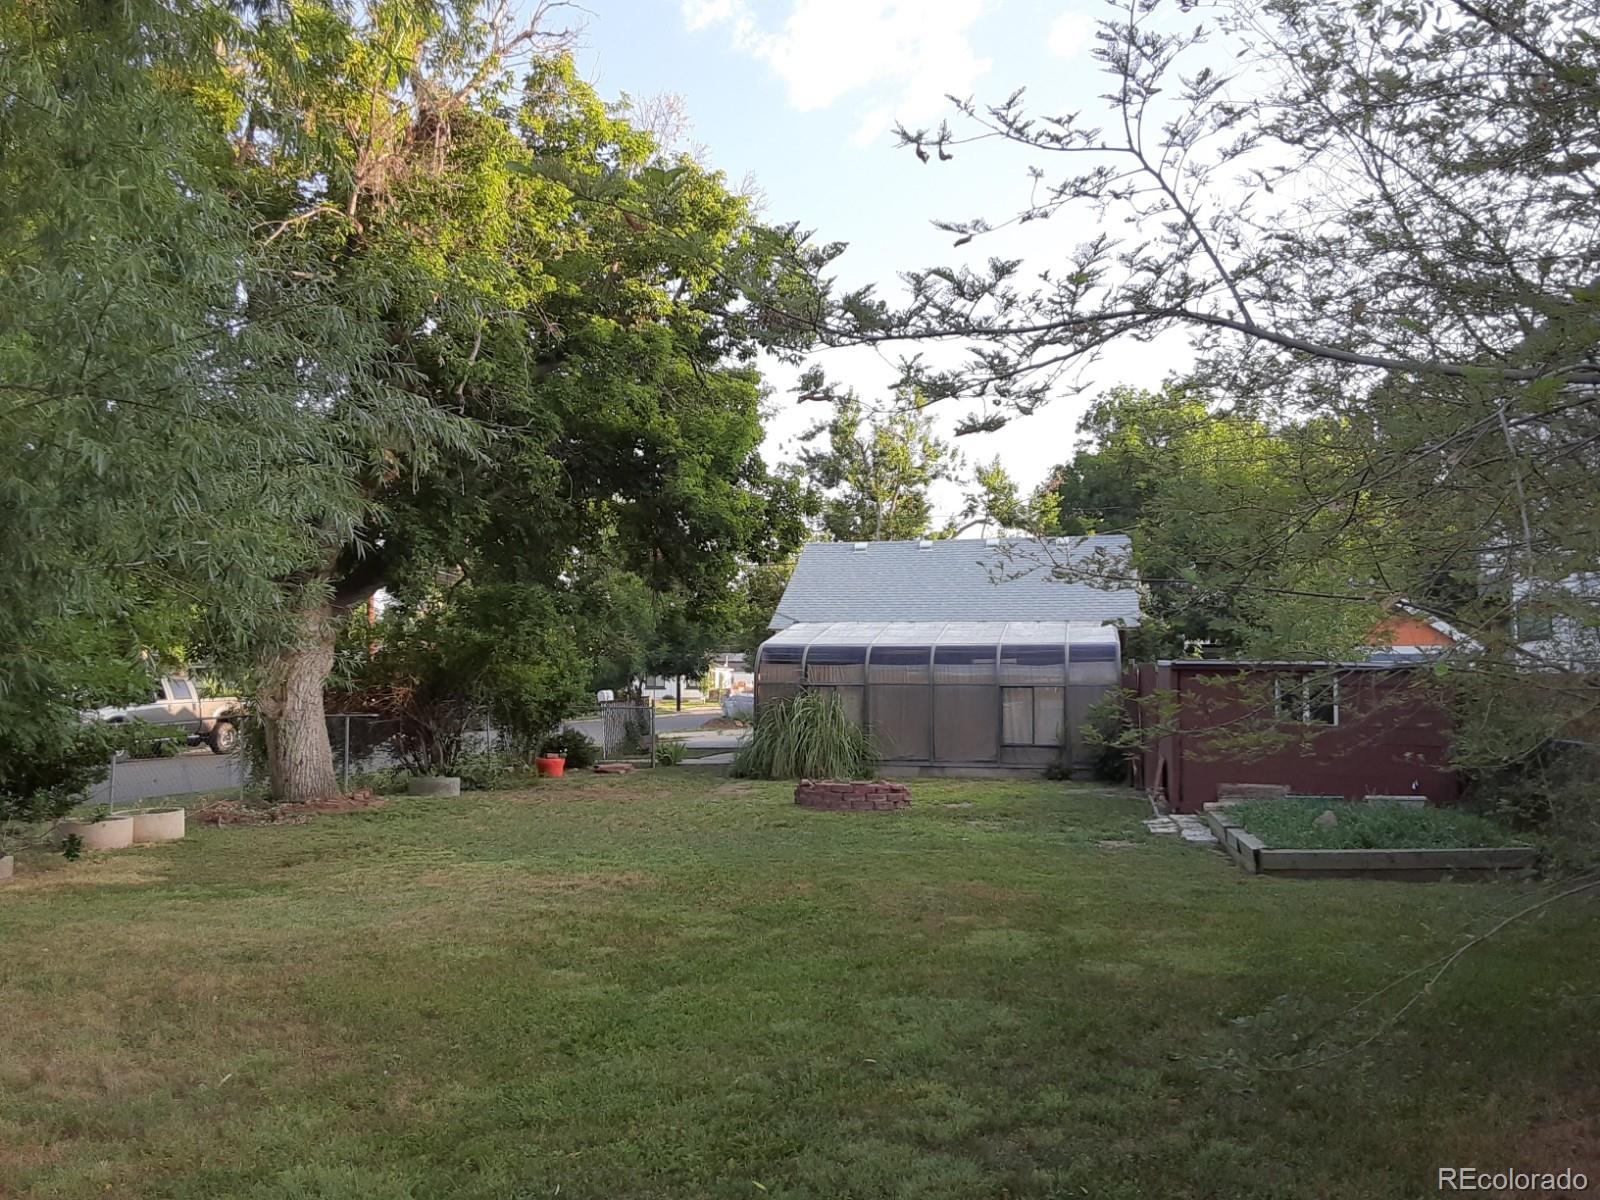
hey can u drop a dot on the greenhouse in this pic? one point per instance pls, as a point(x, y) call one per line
point(953, 694)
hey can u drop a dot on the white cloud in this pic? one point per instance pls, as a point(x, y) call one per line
point(1070, 33)
point(900, 57)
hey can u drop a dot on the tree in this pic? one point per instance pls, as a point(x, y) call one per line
point(869, 478)
point(1374, 222)
point(164, 460)
point(570, 307)
point(509, 652)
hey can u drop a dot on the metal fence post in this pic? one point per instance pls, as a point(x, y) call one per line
point(111, 783)
point(344, 779)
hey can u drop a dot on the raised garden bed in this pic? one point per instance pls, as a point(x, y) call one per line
point(865, 796)
point(1372, 840)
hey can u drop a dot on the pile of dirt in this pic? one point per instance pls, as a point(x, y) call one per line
point(232, 812)
point(725, 723)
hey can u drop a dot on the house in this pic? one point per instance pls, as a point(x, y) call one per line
point(1557, 626)
point(1352, 729)
point(963, 655)
point(728, 673)
point(1409, 635)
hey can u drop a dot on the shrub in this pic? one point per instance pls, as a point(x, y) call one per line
point(580, 751)
point(47, 766)
point(446, 658)
point(483, 772)
point(671, 753)
point(807, 737)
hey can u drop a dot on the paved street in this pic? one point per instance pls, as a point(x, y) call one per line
point(192, 771)
point(202, 771)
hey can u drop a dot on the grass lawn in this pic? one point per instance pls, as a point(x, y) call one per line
point(1291, 824)
point(674, 984)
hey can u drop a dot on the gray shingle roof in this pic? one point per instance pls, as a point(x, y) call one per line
point(961, 579)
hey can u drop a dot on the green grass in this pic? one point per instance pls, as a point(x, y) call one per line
point(1290, 824)
point(671, 984)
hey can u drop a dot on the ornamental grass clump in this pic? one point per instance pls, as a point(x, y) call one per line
point(807, 737)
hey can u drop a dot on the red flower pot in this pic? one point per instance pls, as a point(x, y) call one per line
point(553, 767)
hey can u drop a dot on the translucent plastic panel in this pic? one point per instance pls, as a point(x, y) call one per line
point(1016, 716)
point(779, 664)
point(1079, 701)
point(1033, 664)
point(898, 664)
point(966, 723)
point(771, 693)
point(963, 664)
point(899, 715)
point(848, 697)
point(1031, 716)
point(1049, 714)
point(1094, 663)
point(836, 664)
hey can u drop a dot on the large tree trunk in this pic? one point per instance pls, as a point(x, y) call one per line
point(299, 755)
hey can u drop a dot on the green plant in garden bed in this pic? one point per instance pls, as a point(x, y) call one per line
point(1291, 824)
point(807, 737)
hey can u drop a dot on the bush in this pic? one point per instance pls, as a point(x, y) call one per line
point(45, 768)
point(807, 737)
point(493, 771)
point(447, 657)
point(581, 752)
point(671, 753)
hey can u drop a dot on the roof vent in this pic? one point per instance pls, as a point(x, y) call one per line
point(991, 541)
point(859, 547)
point(925, 544)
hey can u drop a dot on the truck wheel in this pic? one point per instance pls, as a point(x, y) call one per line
point(224, 737)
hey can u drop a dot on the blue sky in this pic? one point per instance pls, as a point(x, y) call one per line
point(800, 95)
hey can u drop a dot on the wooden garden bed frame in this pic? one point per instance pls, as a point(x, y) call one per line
point(1257, 858)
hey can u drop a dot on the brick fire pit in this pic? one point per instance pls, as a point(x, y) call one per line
point(851, 797)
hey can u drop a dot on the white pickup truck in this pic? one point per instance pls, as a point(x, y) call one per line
point(176, 701)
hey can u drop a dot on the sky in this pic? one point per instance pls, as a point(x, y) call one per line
point(801, 96)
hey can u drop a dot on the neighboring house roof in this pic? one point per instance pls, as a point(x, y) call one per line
point(1410, 635)
point(963, 579)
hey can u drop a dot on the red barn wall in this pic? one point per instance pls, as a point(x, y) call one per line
point(1388, 741)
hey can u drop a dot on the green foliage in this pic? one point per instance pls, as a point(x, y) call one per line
point(671, 752)
point(1109, 732)
point(1290, 824)
point(760, 589)
point(482, 771)
point(1203, 490)
point(445, 662)
point(580, 750)
point(868, 479)
point(808, 736)
point(45, 766)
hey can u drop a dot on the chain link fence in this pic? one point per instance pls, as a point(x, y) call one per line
point(628, 731)
point(365, 751)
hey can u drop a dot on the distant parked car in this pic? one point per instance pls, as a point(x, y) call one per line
point(177, 702)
